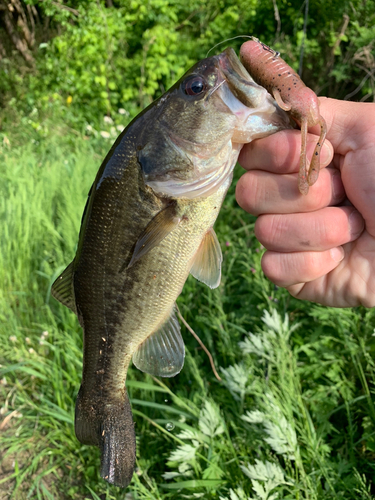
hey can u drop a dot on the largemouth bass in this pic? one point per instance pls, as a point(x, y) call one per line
point(147, 224)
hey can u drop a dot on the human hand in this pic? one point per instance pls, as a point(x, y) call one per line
point(320, 247)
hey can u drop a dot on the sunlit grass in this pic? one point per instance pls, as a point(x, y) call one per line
point(293, 418)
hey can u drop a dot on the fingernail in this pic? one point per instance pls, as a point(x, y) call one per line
point(337, 186)
point(337, 254)
point(356, 224)
point(326, 154)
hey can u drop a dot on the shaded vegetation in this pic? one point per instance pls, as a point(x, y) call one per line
point(92, 58)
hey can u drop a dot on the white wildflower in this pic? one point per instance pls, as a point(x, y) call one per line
point(238, 494)
point(274, 322)
point(281, 436)
point(183, 453)
point(236, 378)
point(170, 475)
point(210, 422)
point(185, 469)
point(3, 381)
point(264, 471)
point(254, 417)
point(120, 128)
point(13, 338)
point(45, 334)
point(269, 473)
point(31, 350)
point(257, 344)
point(27, 340)
point(122, 111)
point(191, 434)
point(108, 119)
point(105, 134)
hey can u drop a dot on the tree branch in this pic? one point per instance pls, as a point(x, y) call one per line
point(338, 40)
point(22, 23)
point(20, 45)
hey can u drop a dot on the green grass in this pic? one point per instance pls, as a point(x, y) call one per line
point(293, 418)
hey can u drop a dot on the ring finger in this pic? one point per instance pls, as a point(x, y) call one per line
point(316, 231)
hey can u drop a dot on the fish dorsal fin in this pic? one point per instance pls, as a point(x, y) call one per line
point(162, 353)
point(207, 261)
point(156, 230)
point(62, 289)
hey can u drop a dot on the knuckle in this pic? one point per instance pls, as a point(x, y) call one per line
point(247, 193)
point(329, 234)
point(273, 267)
point(270, 230)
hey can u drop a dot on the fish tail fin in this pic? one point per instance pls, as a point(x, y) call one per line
point(118, 444)
point(110, 427)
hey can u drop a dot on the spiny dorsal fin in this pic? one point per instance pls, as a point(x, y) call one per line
point(62, 289)
point(157, 229)
point(162, 353)
point(207, 261)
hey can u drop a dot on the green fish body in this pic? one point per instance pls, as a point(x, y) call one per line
point(147, 224)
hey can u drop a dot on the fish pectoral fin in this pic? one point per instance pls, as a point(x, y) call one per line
point(207, 261)
point(62, 288)
point(162, 353)
point(157, 229)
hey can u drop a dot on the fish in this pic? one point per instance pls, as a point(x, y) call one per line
point(148, 224)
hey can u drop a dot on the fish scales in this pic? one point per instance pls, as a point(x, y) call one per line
point(147, 224)
point(140, 299)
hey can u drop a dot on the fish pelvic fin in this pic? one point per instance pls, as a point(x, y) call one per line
point(206, 265)
point(110, 427)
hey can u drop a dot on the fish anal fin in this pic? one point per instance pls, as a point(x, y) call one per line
point(162, 353)
point(207, 261)
point(157, 229)
point(62, 288)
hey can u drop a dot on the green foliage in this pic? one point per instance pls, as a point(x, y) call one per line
point(96, 60)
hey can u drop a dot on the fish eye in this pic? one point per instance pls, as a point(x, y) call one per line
point(195, 85)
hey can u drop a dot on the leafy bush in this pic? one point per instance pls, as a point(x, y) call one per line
point(94, 60)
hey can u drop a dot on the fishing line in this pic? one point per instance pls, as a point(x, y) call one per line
point(209, 94)
point(200, 343)
point(303, 37)
point(228, 40)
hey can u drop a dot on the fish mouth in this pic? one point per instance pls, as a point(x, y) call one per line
point(230, 63)
point(256, 111)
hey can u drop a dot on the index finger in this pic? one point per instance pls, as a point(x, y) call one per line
point(280, 153)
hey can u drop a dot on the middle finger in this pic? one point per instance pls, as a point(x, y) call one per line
point(260, 192)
